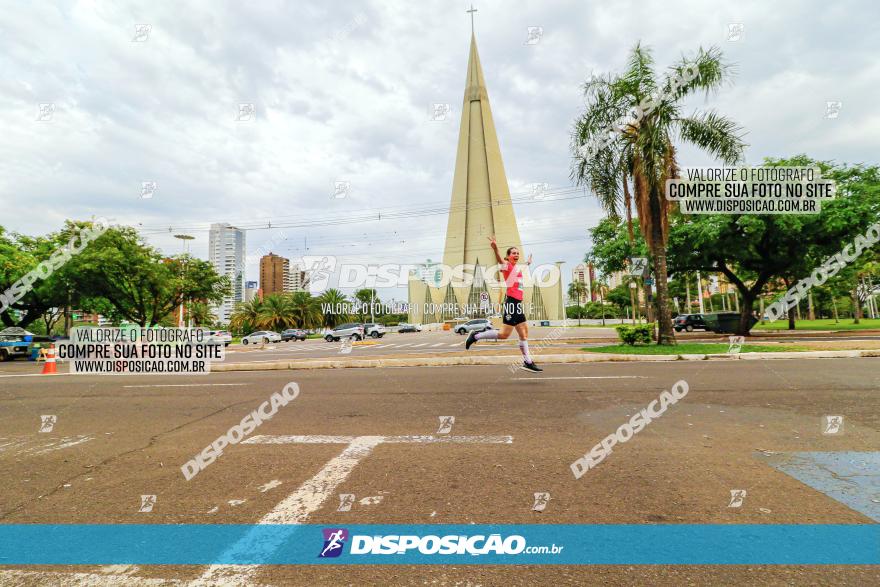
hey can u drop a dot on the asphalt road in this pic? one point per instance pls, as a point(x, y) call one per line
point(444, 342)
point(116, 438)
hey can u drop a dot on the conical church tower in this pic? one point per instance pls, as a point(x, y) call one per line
point(480, 207)
point(481, 203)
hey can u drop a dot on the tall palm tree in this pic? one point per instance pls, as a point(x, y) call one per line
point(306, 311)
point(330, 300)
point(577, 291)
point(608, 153)
point(277, 312)
point(246, 316)
point(200, 314)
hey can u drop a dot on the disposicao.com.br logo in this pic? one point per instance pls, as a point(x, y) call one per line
point(476, 545)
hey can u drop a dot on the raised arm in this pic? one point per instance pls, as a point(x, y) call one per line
point(494, 246)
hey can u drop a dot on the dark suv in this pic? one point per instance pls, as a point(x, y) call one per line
point(689, 322)
point(293, 334)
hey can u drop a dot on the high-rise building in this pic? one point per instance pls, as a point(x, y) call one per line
point(251, 290)
point(226, 251)
point(583, 273)
point(297, 279)
point(274, 274)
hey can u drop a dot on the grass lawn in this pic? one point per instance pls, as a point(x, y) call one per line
point(829, 324)
point(691, 348)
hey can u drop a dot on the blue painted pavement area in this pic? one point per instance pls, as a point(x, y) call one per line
point(852, 478)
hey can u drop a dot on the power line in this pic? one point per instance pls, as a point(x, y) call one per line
point(378, 215)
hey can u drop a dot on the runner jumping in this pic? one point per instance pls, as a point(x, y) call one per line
point(514, 317)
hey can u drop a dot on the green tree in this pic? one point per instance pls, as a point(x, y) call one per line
point(753, 251)
point(138, 281)
point(19, 255)
point(305, 309)
point(366, 297)
point(642, 148)
point(276, 313)
point(200, 314)
point(330, 300)
point(577, 292)
point(246, 316)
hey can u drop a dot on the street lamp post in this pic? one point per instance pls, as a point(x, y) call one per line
point(185, 238)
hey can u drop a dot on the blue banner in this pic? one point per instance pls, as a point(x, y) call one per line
point(632, 544)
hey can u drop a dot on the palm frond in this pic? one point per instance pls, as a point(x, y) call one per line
point(714, 133)
point(713, 73)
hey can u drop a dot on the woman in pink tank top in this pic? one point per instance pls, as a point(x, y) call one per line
point(514, 315)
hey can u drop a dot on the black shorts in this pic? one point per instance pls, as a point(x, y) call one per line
point(513, 311)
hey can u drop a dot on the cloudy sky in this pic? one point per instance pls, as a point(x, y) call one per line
point(342, 91)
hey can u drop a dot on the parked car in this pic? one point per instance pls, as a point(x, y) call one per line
point(352, 331)
point(374, 330)
point(409, 328)
point(293, 334)
point(476, 325)
point(223, 337)
point(10, 350)
point(261, 336)
point(14, 343)
point(689, 322)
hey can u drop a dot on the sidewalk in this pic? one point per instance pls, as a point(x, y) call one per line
point(514, 359)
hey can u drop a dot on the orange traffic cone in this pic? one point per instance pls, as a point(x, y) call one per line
point(49, 365)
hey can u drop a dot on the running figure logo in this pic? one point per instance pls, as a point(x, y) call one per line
point(446, 423)
point(832, 425)
point(147, 503)
point(541, 501)
point(346, 500)
point(736, 343)
point(319, 269)
point(334, 541)
point(737, 496)
point(47, 423)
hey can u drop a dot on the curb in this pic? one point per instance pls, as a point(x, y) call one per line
point(506, 360)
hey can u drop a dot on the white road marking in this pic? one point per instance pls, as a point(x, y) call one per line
point(418, 345)
point(40, 446)
point(187, 385)
point(270, 485)
point(438, 344)
point(597, 377)
point(294, 509)
point(372, 500)
point(320, 439)
point(37, 375)
point(15, 577)
point(311, 495)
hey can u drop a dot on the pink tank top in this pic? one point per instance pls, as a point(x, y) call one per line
point(513, 279)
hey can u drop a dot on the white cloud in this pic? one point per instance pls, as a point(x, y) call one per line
point(342, 93)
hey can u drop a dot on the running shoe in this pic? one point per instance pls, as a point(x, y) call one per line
point(471, 339)
point(530, 367)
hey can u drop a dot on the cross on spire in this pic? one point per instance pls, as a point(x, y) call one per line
point(471, 12)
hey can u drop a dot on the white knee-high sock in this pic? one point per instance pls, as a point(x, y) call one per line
point(487, 335)
point(524, 349)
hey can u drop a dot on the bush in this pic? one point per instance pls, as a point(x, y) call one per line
point(635, 333)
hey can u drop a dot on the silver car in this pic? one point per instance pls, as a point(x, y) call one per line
point(352, 331)
point(476, 325)
point(261, 336)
